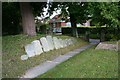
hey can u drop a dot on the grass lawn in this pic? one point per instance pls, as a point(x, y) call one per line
point(89, 64)
point(13, 48)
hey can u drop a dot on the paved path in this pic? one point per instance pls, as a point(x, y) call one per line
point(44, 67)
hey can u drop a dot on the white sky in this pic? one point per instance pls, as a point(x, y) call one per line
point(45, 12)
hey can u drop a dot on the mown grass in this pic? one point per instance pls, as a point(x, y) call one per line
point(13, 48)
point(90, 63)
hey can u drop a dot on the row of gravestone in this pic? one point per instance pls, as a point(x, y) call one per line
point(46, 44)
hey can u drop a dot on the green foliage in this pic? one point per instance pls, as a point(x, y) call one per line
point(10, 18)
point(38, 8)
point(104, 13)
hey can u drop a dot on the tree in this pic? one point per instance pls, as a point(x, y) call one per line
point(12, 17)
point(104, 13)
point(75, 10)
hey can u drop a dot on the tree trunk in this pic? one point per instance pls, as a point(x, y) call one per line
point(73, 25)
point(102, 35)
point(87, 33)
point(28, 22)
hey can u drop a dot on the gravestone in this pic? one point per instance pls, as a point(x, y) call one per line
point(67, 42)
point(37, 47)
point(61, 43)
point(24, 57)
point(29, 49)
point(118, 46)
point(50, 42)
point(64, 42)
point(74, 40)
point(56, 42)
point(44, 44)
point(106, 46)
point(70, 42)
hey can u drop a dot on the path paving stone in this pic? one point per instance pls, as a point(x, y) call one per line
point(38, 70)
point(61, 58)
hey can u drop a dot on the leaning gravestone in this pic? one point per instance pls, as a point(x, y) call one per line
point(29, 49)
point(71, 42)
point(61, 43)
point(56, 42)
point(64, 42)
point(44, 44)
point(50, 42)
point(37, 47)
point(118, 46)
point(67, 42)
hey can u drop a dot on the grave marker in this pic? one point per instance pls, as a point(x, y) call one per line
point(37, 47)
point(50, 42)
point(44, 44)
point(56, 42)
point(118, 46)
point(29, 49)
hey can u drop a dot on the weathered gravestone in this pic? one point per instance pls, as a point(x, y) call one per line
point(50, 42)
point(37, 47)
point(67, 42)
point(44, 44)
point(118, 46)
point(61, 43)
point(106, 46)
point(29, 49)
point(56, 42)
point(64, 43)
point(74, 40)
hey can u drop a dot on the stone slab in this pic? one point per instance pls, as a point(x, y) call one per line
point(45, 44)
point(61, 58)
point(50, 42)
point(29, 49)
point(38, 70)
point(37, 47)
point(64, 42)
point(24, 57)
point(56, 43)
point(61, 43)
point(106, 46)
point(118, 46)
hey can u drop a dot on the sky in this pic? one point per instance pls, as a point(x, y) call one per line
point(45, 12)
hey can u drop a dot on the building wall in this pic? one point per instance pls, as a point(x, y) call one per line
point(63, 24)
